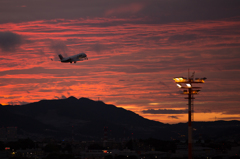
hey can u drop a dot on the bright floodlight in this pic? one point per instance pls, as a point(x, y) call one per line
point(189, 85)
point(179, 85)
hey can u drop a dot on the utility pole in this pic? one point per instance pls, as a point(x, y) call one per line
point(190, 91)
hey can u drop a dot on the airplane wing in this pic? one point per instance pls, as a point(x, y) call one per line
point(77, 59)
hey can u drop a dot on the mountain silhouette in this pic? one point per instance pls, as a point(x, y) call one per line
point(85, 119)
point(83, 116)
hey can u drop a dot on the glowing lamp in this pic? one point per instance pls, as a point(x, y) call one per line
point(179, 85)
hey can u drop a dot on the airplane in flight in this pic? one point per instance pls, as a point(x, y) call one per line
point(74, 58)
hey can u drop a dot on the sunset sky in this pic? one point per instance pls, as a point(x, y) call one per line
point(135, 48)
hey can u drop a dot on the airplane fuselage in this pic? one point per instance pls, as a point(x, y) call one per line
point(74, 58)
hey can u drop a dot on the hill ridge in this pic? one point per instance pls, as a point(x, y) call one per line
point(56, 117)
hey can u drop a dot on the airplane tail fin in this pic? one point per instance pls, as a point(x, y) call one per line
point(60, 56)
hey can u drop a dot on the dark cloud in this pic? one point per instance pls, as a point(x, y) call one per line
point(59, 47)
point(163, 11)
point(56, 97)
point(9, 41)
point(129, 9)
point(62, 97)
point(17, 103)
point(99, 48)
point(165, 111)
point(236, 111)
point(186, 10)
point(45, 90)
point(182, 38)
point(41, 70)
point(173, 117)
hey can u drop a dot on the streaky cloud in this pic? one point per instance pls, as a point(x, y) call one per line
point(165, 111)
point(173, 117)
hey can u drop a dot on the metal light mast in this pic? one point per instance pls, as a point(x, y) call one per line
point(188, 89)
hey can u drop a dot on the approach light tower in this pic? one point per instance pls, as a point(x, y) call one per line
point(188, 89)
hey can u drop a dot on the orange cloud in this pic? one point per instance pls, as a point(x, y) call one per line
point(131, 64)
